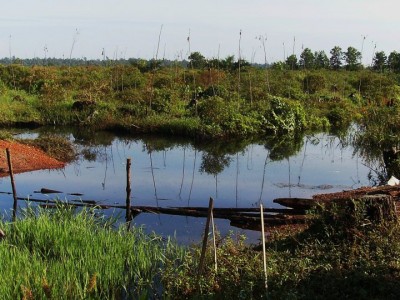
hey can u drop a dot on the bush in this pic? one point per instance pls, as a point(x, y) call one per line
point(285, 115)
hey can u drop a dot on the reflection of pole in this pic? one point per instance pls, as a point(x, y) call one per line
point(250, 159)
point(216, 186)
point(105, 171)
point(183, 171)
point(10, 168)
point(263, 179)
point(165, 158)
point(302, 163)
point(152, 175)
point(194, 167)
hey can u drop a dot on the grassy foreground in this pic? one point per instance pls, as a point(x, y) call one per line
point(64, 254)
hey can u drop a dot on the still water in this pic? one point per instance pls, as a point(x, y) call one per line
point(167, 172)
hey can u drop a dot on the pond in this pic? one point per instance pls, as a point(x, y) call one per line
point(170, 172)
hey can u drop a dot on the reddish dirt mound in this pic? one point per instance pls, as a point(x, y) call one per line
point(25, 158)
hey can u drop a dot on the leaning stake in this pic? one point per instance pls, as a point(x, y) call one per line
point(10, 168)
point(205, 238)
point(263, 245)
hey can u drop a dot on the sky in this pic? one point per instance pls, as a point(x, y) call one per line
point(217, 28)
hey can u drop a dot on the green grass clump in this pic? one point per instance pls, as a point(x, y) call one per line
point(61, 254)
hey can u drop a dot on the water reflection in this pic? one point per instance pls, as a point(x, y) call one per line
point(170, 172)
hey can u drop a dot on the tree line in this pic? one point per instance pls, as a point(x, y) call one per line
point(350, 59)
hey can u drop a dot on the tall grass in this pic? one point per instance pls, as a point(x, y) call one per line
point(61, 254)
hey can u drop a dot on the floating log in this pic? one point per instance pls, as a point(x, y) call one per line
point(48, 191)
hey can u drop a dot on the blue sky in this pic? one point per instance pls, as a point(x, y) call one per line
point(130, 28)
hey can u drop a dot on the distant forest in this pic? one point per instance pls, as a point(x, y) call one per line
point(349, 59)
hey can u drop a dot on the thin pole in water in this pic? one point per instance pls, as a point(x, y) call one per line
point(10, 168)
point(128, 190)
point(263, 246)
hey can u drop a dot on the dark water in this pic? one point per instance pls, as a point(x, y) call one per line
point(169, 172)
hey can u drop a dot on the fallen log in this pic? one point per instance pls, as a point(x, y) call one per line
point(255, 224)
point(48, 191)
point(296, 203)
point(255, 210)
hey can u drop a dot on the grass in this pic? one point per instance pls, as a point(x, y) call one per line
point(61, 254)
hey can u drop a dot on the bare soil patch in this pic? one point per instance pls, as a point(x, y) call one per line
point(25, 158)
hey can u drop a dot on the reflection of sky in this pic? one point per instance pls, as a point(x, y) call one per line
point(176, 184)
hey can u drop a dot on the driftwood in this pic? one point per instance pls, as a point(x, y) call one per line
point(296, 203)
point(48, 191)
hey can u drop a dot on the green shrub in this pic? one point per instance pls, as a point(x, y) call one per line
point(285, 115)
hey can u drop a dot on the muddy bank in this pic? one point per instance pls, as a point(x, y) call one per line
point(25, 158)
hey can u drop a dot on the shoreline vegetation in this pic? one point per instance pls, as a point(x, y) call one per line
point(204, 99)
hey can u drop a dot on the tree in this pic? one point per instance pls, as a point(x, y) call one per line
point(336, 58)
point(393, 61)
point(291, 62)
point(352, 57)
point(321, 60)
point(307, 59)
point(228, 62)
point(197, 60)
point(379, 62)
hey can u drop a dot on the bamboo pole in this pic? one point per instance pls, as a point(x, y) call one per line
point(10, 168)
point(205, 238)
point(263, 247)
point(128, 190)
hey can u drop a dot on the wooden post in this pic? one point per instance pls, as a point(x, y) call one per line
point(205, 238)
point(263, 245)
point(10, 168)
point(128, 190)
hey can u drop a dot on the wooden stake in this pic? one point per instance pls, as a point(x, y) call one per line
point(205, 238)
point(263, 246)
point(128, 190)
point(10, 168)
